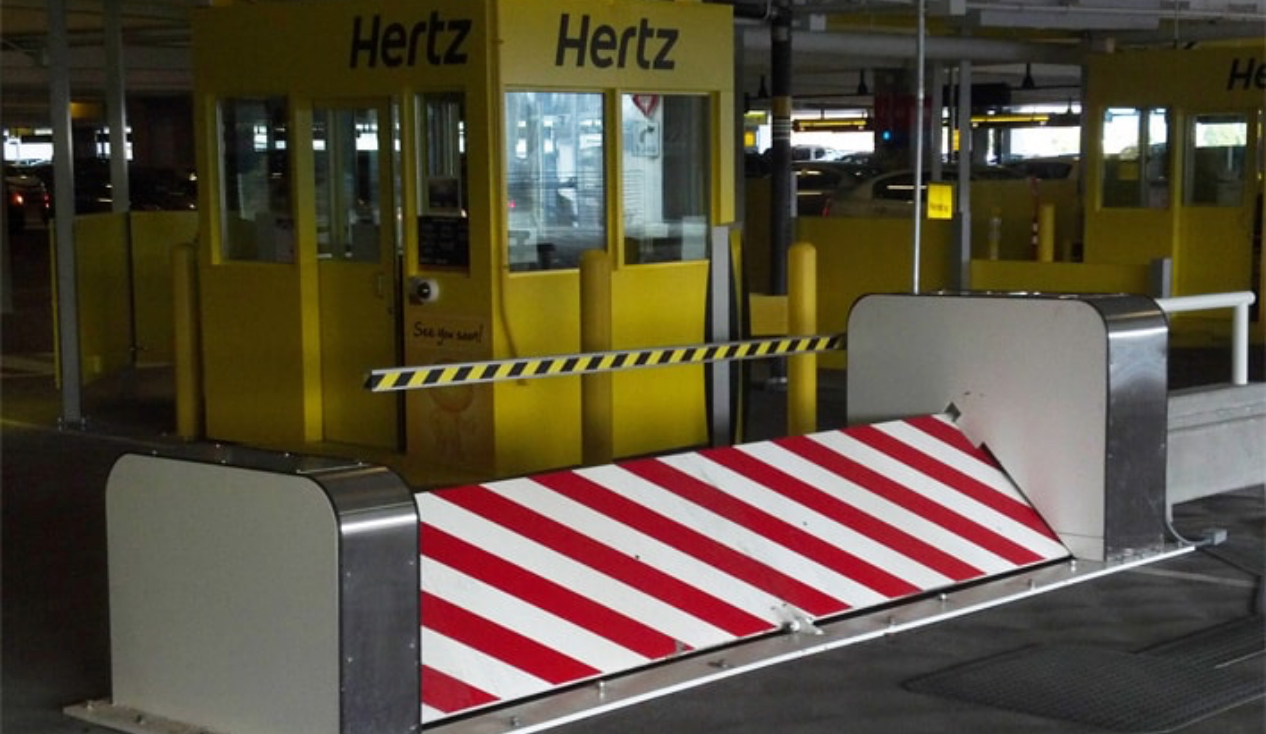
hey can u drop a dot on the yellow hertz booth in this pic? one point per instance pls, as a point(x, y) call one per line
point(414, 183)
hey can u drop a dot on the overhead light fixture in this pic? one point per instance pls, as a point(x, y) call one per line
point(1028, 82)
point(862, 89)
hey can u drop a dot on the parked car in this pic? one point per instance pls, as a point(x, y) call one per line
point(819, 182)
point(152, 189)
point(1059, 167)
point(26, 198)
point(892, 194)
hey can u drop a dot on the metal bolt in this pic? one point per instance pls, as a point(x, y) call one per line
point(1072, 564)
point(1032, 584)
point(892, 622)
point(943, 597)
point(515, 722)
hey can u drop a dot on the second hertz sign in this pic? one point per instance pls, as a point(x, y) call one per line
point(658, 47)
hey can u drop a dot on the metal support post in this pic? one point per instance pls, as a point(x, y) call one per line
point(719, 277)
point(962, 238)
point(116, 107)
point(64, 221)
point(597, 414)
point(919, 134)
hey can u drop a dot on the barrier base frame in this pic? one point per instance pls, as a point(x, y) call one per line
point(696, 670)
point(593, 698)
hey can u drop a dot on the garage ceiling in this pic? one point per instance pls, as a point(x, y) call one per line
point(835, 43)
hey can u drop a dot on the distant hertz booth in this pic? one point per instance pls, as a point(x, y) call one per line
point(414, 183)
point(1176, 170)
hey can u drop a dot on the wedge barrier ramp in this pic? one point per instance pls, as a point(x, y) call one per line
point(252, 592)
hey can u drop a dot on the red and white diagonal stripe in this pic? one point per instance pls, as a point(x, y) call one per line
point(529, 584)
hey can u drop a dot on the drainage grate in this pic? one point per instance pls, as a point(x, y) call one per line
point(1119, 691)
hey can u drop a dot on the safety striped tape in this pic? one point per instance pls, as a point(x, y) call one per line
point(465, 373)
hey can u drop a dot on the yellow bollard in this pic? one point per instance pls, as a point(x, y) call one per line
point(597, 419)
point(184, 296)
point(802, 320)
point(1046, 233)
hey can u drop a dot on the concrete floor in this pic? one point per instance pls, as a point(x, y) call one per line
point(55, 593)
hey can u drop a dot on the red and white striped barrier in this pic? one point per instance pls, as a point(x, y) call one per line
point(536, 583)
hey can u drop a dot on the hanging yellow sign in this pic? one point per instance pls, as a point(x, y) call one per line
point(940, 201)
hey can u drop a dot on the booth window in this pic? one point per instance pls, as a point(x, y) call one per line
point(555, 178)
point(348, 166)
point(1216, 160)
point(666, 169)
point(258, 222)
point(443, 218)
point(1135, 158)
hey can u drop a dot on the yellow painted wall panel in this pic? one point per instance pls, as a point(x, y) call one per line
point(538, 421)
point(860, 256)
point(1016, 203)
point(664, 408)
point(104, 287)
point(1058, 277)
point(1128, 236)
point(154, 234)
point(253, 354)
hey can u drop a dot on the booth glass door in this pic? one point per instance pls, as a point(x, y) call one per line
point(356, 241)
point(1219, 213)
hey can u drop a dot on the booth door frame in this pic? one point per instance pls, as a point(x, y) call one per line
point(359, 299)
point(1217, 236)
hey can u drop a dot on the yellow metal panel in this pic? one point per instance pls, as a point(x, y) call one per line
point(659, 305)
point(1128, 236)
point(654, 46)
point(1016, 203)
point(154, 234)
point(253, 354)
point(768, 314)
point(103, 279)
point(860, 256)
point(1059, 277)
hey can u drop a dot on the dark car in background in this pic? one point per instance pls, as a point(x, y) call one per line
point(151, 188)
point(26, 198)
point(818, 183)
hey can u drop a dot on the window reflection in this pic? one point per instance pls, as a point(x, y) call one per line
point(348, 206)
point(1136, 158)
point(258, 221)
point(666, 170)
point(1216, 166)
point(555, 178)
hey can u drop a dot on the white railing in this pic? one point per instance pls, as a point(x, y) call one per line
point(1239, 301)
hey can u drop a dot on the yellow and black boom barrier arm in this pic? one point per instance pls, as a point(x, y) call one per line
point(466, 373)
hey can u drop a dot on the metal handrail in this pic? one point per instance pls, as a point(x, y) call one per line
point(1238, 301)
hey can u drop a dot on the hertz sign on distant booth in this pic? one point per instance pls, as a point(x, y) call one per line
point(413, 183)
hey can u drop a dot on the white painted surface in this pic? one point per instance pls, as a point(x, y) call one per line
point(1028, 375)
point(223, 597)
